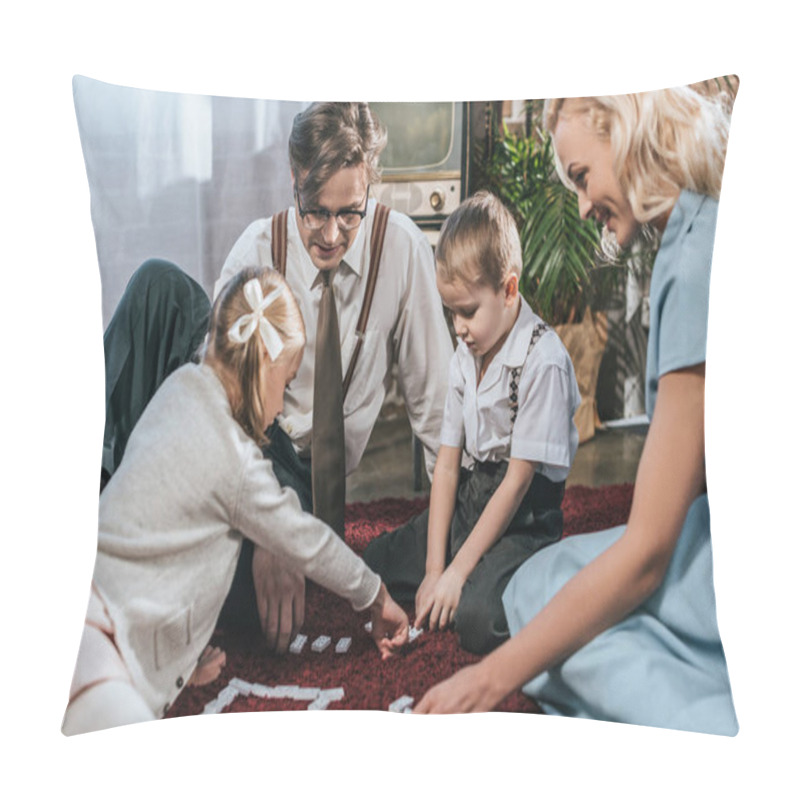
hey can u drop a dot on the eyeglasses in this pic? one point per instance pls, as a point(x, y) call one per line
point(316, 218)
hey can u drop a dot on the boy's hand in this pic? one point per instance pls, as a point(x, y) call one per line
point(424, 599)
point(389, 623)
point(446, 596)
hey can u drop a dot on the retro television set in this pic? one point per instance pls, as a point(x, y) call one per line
point(425, 162)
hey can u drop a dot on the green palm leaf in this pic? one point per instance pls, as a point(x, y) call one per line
point(558, 247)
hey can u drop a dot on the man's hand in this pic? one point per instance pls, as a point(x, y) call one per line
point(442, 601)
point(389, 623)
point(281, 599)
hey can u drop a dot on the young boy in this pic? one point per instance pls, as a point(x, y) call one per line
point(511, 398)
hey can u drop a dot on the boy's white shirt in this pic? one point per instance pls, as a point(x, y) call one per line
point(477, 417)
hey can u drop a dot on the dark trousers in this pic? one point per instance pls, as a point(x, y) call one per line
point(240, 611)
point(159, 324)
point(399, 556)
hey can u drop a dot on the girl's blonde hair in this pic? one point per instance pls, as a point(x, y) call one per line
point(479, 243)
point(662, 142)
point(242, 362)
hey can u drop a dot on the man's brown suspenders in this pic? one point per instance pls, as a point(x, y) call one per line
point(280, 234)
point(279, 242)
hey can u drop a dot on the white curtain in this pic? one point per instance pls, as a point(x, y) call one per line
point(177, 176)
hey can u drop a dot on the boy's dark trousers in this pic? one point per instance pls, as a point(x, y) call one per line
point(399, 556)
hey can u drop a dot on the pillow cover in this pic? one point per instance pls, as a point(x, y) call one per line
point(179, 177)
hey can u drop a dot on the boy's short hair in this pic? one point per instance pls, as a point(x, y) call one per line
point(479, 243)
point(327, 137)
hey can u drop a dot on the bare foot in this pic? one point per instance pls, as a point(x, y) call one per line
point(209, 666)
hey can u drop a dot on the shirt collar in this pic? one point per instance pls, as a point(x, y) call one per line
point(353, 258)
point(681, 216)
point(515, 348)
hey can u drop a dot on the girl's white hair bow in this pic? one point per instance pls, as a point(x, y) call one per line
point(245, 326)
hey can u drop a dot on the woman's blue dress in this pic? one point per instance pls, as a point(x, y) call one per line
point(664, 664)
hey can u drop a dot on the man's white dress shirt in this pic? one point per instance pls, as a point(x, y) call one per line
point(406, 326)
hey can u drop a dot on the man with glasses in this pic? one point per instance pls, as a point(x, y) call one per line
point(329, 234)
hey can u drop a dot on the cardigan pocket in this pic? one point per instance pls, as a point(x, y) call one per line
point(172, 637)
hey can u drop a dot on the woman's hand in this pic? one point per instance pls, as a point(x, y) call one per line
point(389, 623)
point(469, 689)
point(442, 600)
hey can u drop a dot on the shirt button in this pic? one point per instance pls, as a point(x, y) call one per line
point(179, 682)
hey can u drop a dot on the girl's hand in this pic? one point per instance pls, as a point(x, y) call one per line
point(389, 623)
point(424, 599)
point(446, 596)
point(469, 689)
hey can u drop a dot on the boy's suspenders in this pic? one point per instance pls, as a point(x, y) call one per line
point(538, 331)
point(279, 242)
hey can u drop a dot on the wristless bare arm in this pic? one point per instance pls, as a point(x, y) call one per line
point(443, 498)
point(497, 515)
point(671, 475)
point(442, 505)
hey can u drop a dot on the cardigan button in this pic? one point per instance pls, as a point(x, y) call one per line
point(166, 708)
point(179, 682)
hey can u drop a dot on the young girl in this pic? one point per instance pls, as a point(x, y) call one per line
point(511, 399)
point(192, 482)
point(621, 624)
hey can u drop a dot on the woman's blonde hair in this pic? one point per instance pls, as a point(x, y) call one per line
point(241, 362)
point(479, 243)
point(662, 142)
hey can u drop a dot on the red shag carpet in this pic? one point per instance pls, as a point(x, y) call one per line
point(368, 682)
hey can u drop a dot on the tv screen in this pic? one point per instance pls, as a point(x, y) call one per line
point(423, 137)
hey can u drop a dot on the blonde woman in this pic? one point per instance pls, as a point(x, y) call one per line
point(621, 624)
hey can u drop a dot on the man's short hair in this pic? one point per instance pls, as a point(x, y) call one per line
point(479, 243)
point(327, 137)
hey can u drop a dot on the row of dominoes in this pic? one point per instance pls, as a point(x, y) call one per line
point(222, 700)
point(319, 644)
point(320, 698)
point(412, 631)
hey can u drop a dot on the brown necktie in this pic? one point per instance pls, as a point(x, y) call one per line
point(327, 435)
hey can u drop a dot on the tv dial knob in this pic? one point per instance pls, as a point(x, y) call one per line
point(437, 200)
